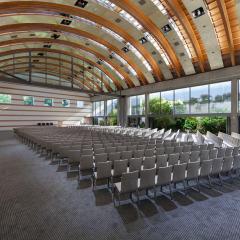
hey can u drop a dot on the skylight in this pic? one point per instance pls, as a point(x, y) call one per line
point(158, 4)
point(130, 19)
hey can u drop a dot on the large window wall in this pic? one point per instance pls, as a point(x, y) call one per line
point(137, 105)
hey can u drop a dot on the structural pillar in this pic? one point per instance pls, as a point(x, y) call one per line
point(234, 106)
point(122, 111)
point(146, 110)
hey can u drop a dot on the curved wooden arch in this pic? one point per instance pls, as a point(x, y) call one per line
point(54, 65)
point(69, 44)
point(180, 14)
point(26, 50)
point(146, 22)
point(16, 7)
point(8, 29)
point(52, 58)
point(51, 71)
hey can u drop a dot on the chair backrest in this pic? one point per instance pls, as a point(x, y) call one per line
point(135, 164)
point(99, 150)
point(149, 162)
point(221, 152)
point(206, 168)
point(203, 147)
point(126, 155)
point(210, 146)
point(161, 161)
point(119, 167)
point(164, 175)
point(228, 152)
point(86, 162)
point(149, 152)
point(141, 147)
point(179, 172)
point(87, 151)
point(227, 164)
point(204, 155)
point(236, 162)
point(74, 155)
point(103, 157)
point(114, 156)
point(173, 159)
point(104, 169)
point(129, 182)
point(132, 148)
point(217, 165)
point(160, 151)
point(184, 157)
point(187, 148)
point(178, 149)
point(192, 170)
point(235, 151)
point(97, 146)
point(194, 156)
point(121, 148)
point(147, 178)
point(213, 153)
point(195, 148)
point(151, 146)
point(169, 150)
point(138, 153)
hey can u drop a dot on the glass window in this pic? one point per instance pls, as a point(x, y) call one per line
point(182, 101)
point(167, 102)
point(112, 107)
point(28, 100)
point(98, 109)
point(199, 99)
point(137, 105)
point(48, 102)
point(80, 104)
point(66, 103)
point(154, 103)
point(5, 98)
point(220, 97)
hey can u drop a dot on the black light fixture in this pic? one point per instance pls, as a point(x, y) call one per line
point(143, 40)
point(14, 36)
point(66, 22)
point(99, 62)
point(81, 3)
point(55, 36)
point(47, 45)
point(166, 28)
point(198, 12)
point(125, 49)
point(40, 54)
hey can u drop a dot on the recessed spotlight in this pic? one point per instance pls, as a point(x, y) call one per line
point(198, 12)
point(166, 28)
point(47, 45)
point(55, 36)
point(81, 3)
point(143, 40)
point(66, 22)
point(125, 49)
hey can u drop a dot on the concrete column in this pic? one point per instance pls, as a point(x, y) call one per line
point(123, 110)
point(234, 106)
point(146, 110)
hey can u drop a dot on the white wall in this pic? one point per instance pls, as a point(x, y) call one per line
point(17, 114)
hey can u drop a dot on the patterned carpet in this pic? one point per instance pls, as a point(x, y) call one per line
point(39, 201)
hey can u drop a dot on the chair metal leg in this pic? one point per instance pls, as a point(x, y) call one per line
point(170, 190)
point(220, 179)
point(198, 184)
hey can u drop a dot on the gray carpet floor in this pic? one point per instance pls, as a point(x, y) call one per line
point(39, 201)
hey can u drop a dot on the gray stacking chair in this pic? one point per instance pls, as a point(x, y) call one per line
point(99, 150)
point(184, 157)
point(119, 167)
point(147, 180)
point(138, 153)
point(195, 148)
point(132, 148)
point(203, 147)
point(86, 152)
point(169, 150)
point(149, 162)
point(217, 168)
point(236, 164)
point(204, 155)
point(86, 163)
point(128, 184)
point(111, 149)
point(160, 151)
point(235, 151)
point(114, 156)
point(192, 172)
point(135, 164)
point(213, 153)
point(161, 161)
point(187, 148)
point(194, 156)
point(150, 146)
point(206, 169)
point(103, 171)
point(227, 165)
point(173, 159)
point(228, 152)
point(103, 157)
point(126, 155)
point(221, 152)
point(149, 152)
point(178, 149)
point(179, 174)
point(164, 178)
point(210, 146)
point(121, 148)
point(141, 147)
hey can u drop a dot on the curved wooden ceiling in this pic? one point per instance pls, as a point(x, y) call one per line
point(128, 43)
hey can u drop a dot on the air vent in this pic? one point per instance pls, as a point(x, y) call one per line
point(14, 36)
point(47, 46)
point(143, 40)
point(142, 2)
point(176, 44)
point(154, 53)
point(118, 20)
point(182, 54)
point(125, 49)
point(166, 28)
point(81, 3)
point(55, 36)
point(40, 54)
point(66, 22)
point(198, 12)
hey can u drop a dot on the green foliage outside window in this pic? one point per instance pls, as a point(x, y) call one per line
point(5, 98)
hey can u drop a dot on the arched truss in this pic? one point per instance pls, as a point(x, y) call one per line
point(152, 40)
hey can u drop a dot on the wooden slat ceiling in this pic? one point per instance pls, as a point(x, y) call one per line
point(115, 44)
